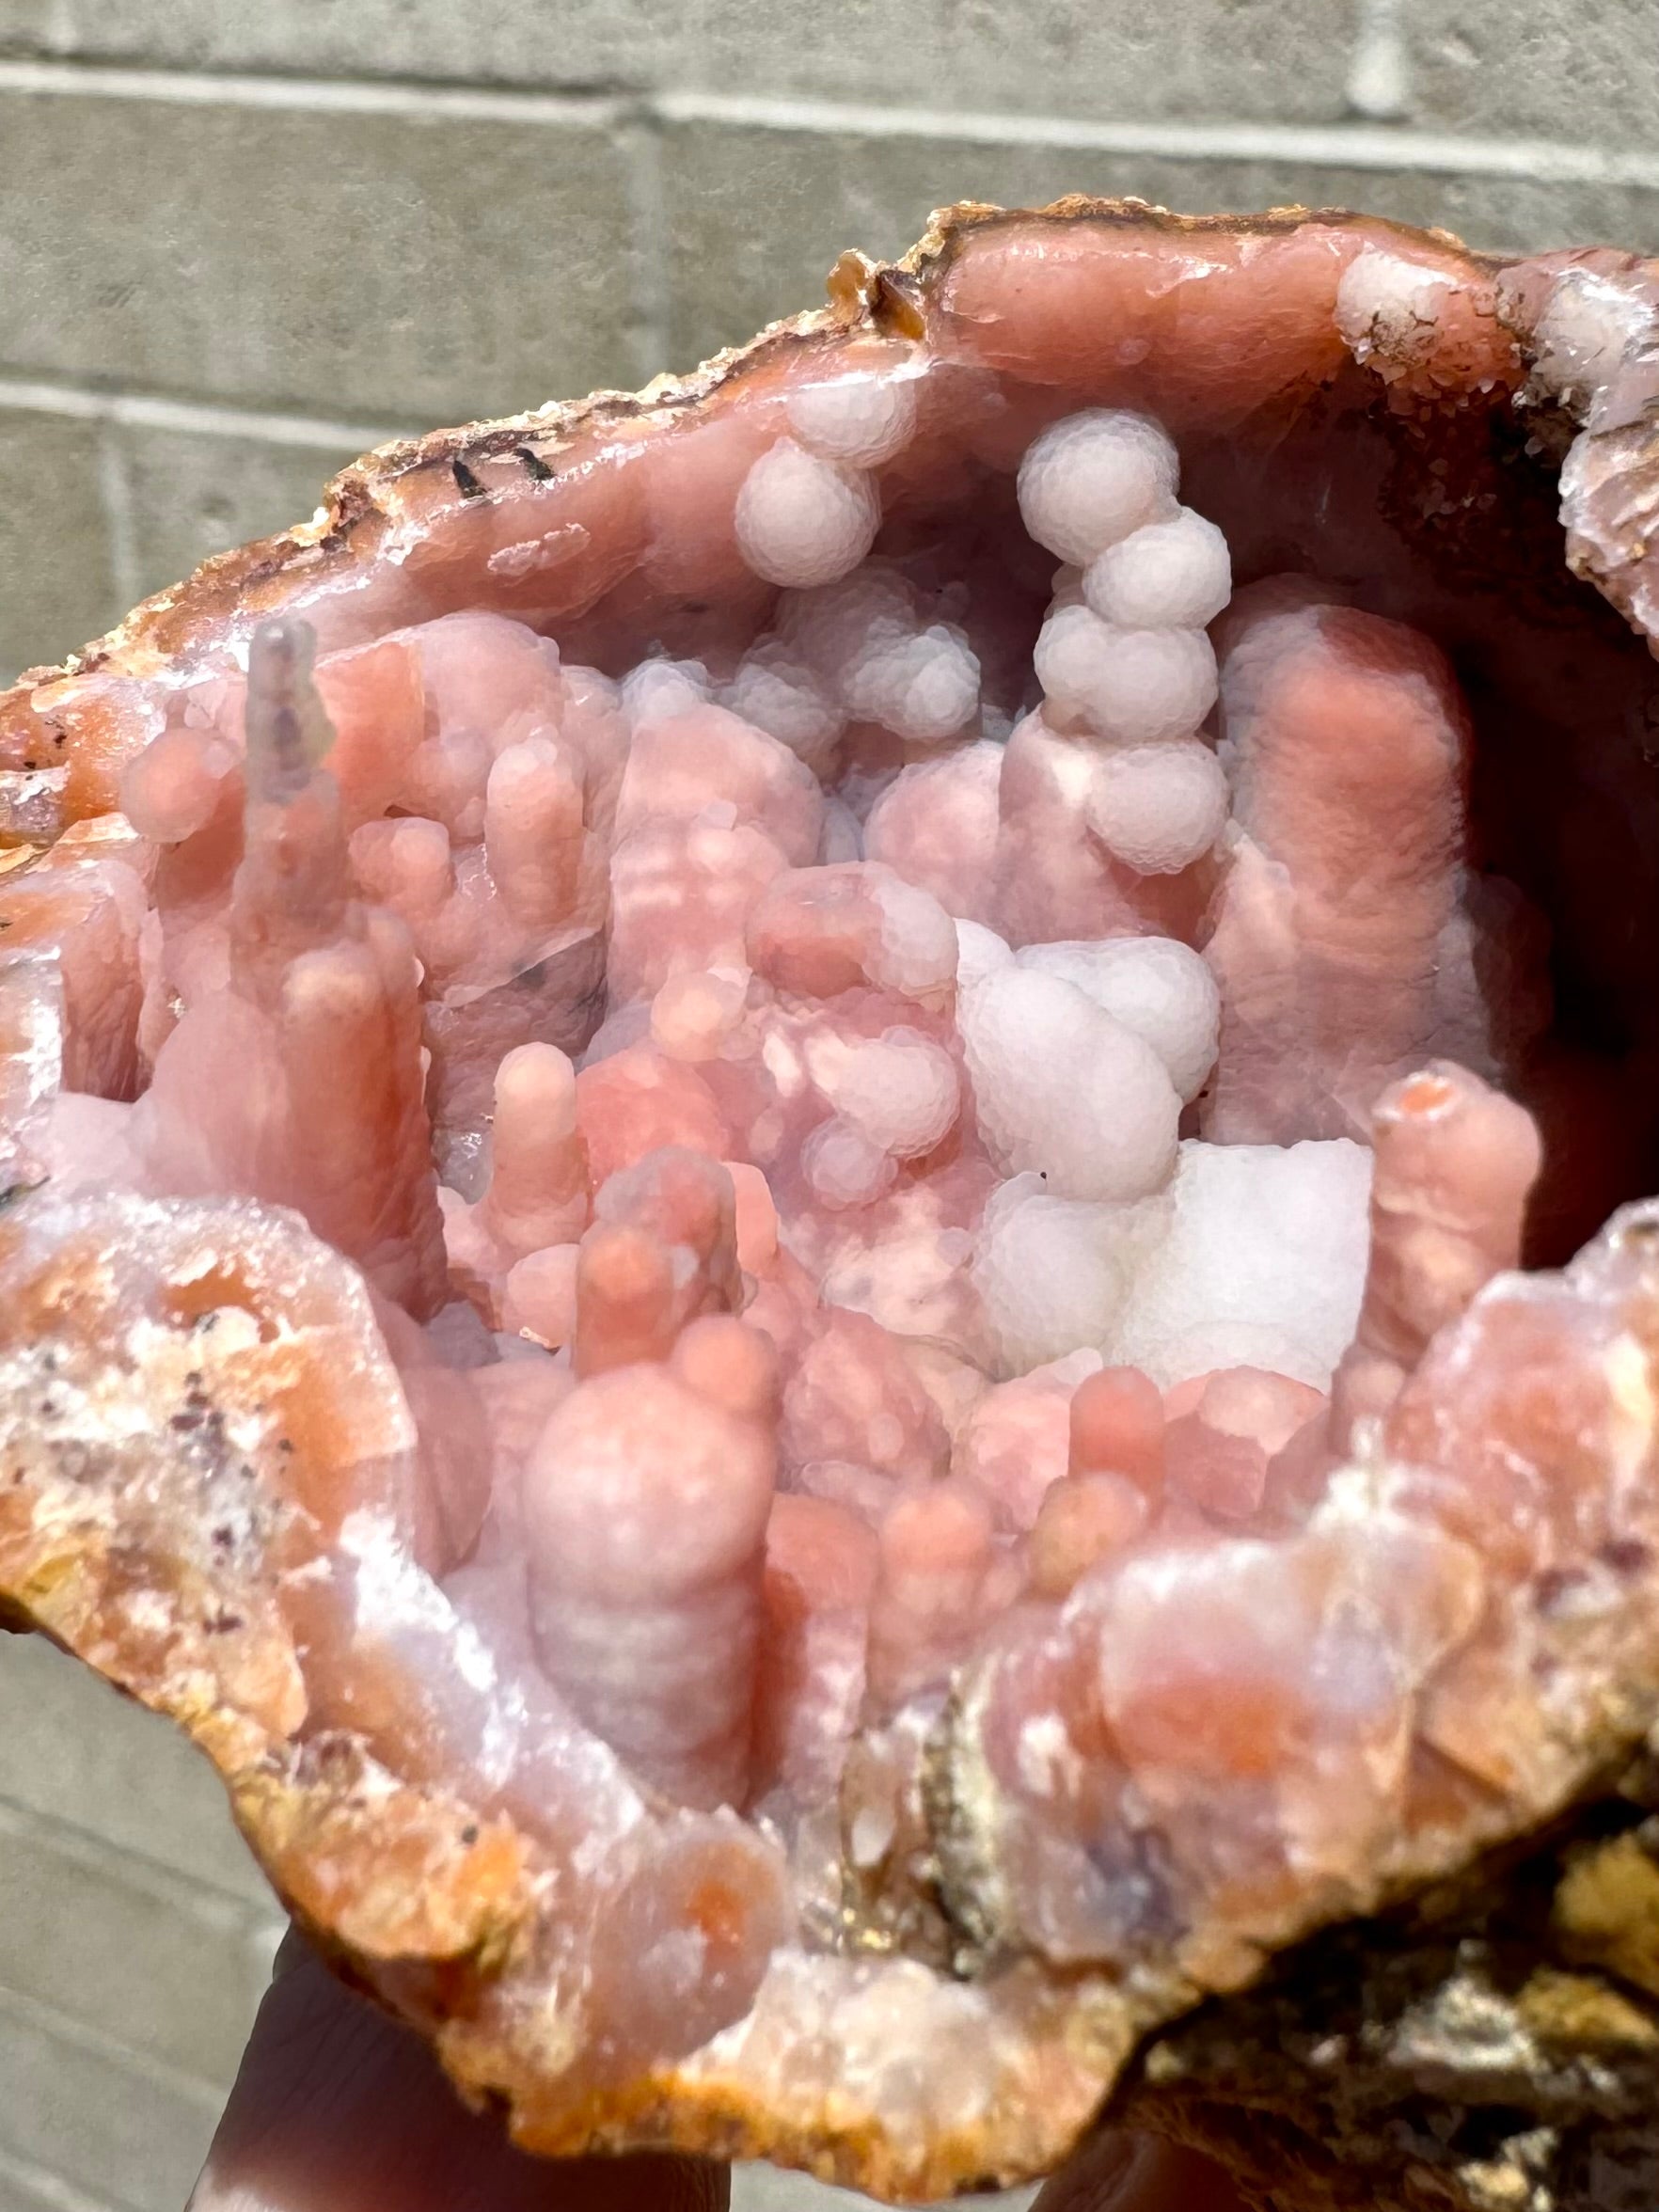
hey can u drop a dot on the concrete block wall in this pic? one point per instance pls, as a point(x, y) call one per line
point(136, 1937)
point(241, 240)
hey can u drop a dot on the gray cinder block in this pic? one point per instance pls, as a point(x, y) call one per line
point(397, 261)
point(56, 588)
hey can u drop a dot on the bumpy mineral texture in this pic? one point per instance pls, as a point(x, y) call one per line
point(767, 1159)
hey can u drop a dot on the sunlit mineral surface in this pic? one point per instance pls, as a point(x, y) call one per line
point(859, 1283)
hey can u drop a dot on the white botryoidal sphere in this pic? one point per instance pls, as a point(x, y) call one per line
point(861, 420)
point(778, 691)
point(1156, 985)
point(1090, 479)
point(1168, 576)
point(979, 951)
point(803, 520)
point(844, 1168)
point(1051, 1273)
point(1137, 685)
point(1063, 1091)
point(660, 687)
point(923, 688)
point(1263, 1263)
point(918, 936)
point(832, 626)
point(901, 1090)
point(1158, 808)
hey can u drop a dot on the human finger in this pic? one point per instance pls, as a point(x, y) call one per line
point(1118, 2171)
point(338, 2109)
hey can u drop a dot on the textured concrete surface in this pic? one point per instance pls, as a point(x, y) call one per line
point(241, 240)
point(401, 258)
point(757, 2189)
point(57, 573)
point(136, 1937)
point(1278, 59)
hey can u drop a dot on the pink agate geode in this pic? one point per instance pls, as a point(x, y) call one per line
point(766, 1154)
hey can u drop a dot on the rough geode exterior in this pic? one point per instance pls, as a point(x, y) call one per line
point(1497, 2050)
point(1498, 2046)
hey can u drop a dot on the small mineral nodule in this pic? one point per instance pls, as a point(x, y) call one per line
point(768, 1155)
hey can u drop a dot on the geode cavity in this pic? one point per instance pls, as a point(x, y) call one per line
point(767, 1152)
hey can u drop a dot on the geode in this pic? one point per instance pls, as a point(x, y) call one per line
point(825, 1213)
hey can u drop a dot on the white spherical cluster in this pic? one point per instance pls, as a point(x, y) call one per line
point(1156, 985)
point(861, 420)
point(900, 1090)
point(844, 1167)
point(1063, 1091)
point(1051, 1273)
point(1263, 1264)
point(659, 688)
point(1158, 806)
point(1137, 685)
point(780, 692)
point(1127, 670)
point(922, 686)
point(918, 938)
point(803, 520)
point(1167, 575)
point(1090, 479)
point(979, 952)
point(867, 647)
point(830, 626)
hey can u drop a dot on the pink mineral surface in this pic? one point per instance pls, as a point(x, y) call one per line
point(766, 1155)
